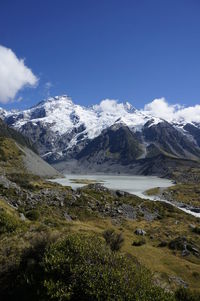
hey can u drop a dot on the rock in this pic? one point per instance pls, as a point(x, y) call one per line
point(128, 211)
point(178, 281)
point(184, 245)
point(121, 193)
point(196, 210)
point(7, 183)
point(22, 217)
point(178, 243)
point(195, 251)
point(185, 252)
point(67, 216)
point(140, 232)
point(96, 187)
point(147, 215)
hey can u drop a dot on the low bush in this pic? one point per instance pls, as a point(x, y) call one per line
point(23, 278)
point(178, 243)
point(24, 180)
point(80, 267)
point(163, 244)
point(139, 242)
point(114, 240)
point(184, 294)
point(33, 214)
point(196, 230)
point(8, 223)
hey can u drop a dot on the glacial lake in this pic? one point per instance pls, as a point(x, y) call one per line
point(133, 184)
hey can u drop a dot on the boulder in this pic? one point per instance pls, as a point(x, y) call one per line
point(22, 217)
point(140, 232)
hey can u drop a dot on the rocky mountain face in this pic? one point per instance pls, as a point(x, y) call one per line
point(116, 143)
point(108, 134)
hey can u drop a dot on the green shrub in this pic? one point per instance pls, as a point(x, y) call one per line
point(163, 244)
point(196, 275)
point(196, 230)
point(184, 294)
point(139, 242)
point(33, 214)
point(178, 243)
point(8, 223)
point(24, 180)
point(82, 268)
point(114, 240)
point(23, 280)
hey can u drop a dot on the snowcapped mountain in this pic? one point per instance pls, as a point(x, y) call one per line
point(106, 132)
point(61, 125)
point(62, 115)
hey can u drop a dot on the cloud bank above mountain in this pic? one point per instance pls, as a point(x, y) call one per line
point(14, 75)
point(159, 107)
point(109, 106)
point(173, 113)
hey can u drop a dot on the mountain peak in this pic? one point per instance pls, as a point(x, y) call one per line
point(129, 107)
point(56, 99)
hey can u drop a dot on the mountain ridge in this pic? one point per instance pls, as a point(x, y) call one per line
point(62, 131)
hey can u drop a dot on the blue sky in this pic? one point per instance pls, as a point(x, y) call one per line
point(96, 49)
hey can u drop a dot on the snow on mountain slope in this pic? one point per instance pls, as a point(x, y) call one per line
point(3, 113)
point(60, 128)
point(61, 115)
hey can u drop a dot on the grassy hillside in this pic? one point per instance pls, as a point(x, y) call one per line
point(18, 156)
point(10, 156)
point(50, 217)
point(186, 190)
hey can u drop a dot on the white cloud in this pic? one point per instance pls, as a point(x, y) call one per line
point(161, 108)
point(14, 75)
point(47, 87)
point(189, 114)
point(110, 106)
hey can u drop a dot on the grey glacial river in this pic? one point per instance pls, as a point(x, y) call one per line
point(136, 185)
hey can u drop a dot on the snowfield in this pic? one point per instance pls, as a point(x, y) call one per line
point(62, 115)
